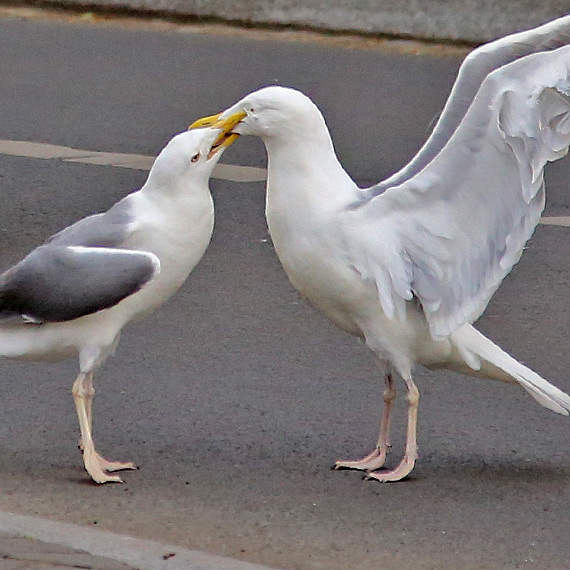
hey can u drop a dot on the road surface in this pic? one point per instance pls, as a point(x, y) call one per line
point(236, 397)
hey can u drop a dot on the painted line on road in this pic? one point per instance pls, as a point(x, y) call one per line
point(563, 221)
point(229, 172)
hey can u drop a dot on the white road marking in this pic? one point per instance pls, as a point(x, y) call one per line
point(230, 172)
point(563, 221)
point(44, 151)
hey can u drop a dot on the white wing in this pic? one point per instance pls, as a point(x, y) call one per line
point(476, 66)
point(450, 234)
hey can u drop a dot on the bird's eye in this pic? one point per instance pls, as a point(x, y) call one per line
point(195, 158)
point(252, 109)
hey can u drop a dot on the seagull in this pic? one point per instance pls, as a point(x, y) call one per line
point(73, 294)
point(410, 263)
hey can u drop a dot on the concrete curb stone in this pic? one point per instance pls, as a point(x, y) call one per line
point(21, 549)
point(473, 21)
point(31, 543)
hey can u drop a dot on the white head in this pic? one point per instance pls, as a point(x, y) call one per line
point(271, 112)
point(275, 111)
point(187, 158)
point(295, 134)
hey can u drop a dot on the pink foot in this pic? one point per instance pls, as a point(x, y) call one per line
point(91, 460)
point(372, 461)
point(99, 467)
point(390, 475)
point(107, 465)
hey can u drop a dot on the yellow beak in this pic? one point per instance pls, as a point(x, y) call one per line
point(226, 137)
point(216, 122)
point(204, 122)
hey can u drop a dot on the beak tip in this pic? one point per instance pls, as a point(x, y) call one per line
point(226, 137)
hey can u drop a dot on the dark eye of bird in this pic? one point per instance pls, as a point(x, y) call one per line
point(196, 158)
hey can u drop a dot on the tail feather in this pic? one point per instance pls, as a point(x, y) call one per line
point(484, 358)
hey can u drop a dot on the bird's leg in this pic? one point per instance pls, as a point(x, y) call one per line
point(411, 452)
point(90, 459)
point(94, 464)
point(378, 455)
point(105, 464)
point(88, 393)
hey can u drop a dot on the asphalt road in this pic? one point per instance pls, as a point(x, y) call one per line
point(236, 397)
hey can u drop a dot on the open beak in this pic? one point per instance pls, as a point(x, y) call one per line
point(225, 124)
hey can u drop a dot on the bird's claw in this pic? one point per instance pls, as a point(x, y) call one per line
point(98, 467)
point(371, 462)
point(392, 475)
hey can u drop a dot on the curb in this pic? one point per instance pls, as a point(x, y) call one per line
point(432, 20)
point(138, 553)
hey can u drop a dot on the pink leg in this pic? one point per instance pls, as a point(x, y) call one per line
point(95, 465)
point(378, 455)
point(411, 453)
point(88, 392)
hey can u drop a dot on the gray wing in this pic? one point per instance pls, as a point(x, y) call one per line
point(109, 229)
point(476, 66)
point(60, 283)
point(449, 235)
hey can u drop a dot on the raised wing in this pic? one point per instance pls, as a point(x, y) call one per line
point(61, 283)
point(449, 235)
point(476, 66)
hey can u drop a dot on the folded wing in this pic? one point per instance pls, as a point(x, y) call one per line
point(60, 283)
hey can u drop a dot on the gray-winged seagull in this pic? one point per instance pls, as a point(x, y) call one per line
point(73, 294)
point(410, 263)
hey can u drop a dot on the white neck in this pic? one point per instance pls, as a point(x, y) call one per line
point(303, 170)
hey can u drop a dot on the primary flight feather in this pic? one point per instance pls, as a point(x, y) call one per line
point(410, 263)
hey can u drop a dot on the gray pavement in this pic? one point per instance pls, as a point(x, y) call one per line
point(235, 398)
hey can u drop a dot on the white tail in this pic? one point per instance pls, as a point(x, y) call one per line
point(486, 359)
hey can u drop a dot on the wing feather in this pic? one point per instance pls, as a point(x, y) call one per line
point(474, 69)
point(451, 233)
point(55, 283)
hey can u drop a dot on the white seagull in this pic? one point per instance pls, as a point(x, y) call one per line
point(73, 294)
point(410, 263)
